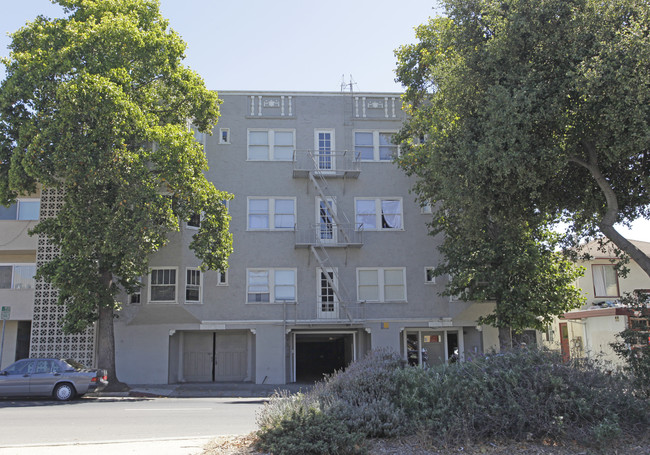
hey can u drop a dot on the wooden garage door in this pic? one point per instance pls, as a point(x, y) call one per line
point(215, 356)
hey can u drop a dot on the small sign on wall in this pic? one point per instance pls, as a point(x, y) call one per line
point(431, 338)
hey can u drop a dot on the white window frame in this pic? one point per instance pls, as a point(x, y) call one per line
point(149, 285)
point(376, 156)
point(18, 203)
point(610, 266)
point(271, 284)
point(381, 283)
point(429, 278)
point(426, 209)
point(221, 134)
point(136, 295)
point(222, 278)
point(200, 285)
point(12, 283)
point(270, 143)
point(378, 214)
point(271, 213)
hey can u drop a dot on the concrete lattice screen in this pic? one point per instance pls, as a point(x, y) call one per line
point(47, 338)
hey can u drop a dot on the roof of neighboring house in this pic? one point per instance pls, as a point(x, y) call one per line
point(593, 248)
point(591, 313)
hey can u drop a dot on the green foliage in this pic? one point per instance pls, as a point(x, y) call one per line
point(523, 114)
point(97, 104)
point(521, 395)
point(307, 431)
point(634, 346)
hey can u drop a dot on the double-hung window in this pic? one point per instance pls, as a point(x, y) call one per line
point(193, 286)
point(162, 285)
point(273, 285)
point(271, 213)
point(23, 209)
point(375, 145)
point(17, 276)
point(605, 280)
point(381, 284)
point(376, 214)
point(271, 144)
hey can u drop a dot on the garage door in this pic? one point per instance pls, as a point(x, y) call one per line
point(215, 356)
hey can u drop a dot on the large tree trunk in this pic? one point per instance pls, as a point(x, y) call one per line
point(106, 345)
point(505, 338)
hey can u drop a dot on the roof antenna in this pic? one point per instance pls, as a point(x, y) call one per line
point(349, 85)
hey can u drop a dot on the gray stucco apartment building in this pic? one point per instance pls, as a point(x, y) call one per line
point(332, 257)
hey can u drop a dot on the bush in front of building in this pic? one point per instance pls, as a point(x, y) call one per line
point(519, 395)
point(301, 429)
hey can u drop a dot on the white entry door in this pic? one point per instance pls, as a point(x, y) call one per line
point(328, 303)
point(324, 148)
point(327, 229)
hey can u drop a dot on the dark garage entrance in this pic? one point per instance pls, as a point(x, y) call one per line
point(321, 354)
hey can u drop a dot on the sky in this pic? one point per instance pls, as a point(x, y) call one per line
point(283, 45)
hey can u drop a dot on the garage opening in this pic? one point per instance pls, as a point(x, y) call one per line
point(322, 354)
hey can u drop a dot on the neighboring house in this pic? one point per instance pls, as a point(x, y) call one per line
point(17, 269)
point(332, 256)
point(589, 330)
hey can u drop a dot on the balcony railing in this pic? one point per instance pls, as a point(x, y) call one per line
point(330, 235)
point(329, 163)
point(317, 312)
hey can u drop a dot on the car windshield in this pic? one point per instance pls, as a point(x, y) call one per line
point(74, 364)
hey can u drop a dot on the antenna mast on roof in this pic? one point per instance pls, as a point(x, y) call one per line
point(349, 85)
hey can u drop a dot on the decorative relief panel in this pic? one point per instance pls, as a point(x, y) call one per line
point(47, 338)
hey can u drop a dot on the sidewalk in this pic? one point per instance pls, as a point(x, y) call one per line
point(197, 390)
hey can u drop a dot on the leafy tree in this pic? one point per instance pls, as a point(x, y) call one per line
point(523, 114)
point(516, 265)
point(97, 104)
point(535, 107)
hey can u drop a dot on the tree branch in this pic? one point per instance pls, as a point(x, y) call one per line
point(606, 224)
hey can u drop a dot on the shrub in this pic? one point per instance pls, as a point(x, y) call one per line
point(362, 395)
point(517, 395)
point(307, 431)
point(520, 395)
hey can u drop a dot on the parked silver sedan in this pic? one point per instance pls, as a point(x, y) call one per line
point(60, 379)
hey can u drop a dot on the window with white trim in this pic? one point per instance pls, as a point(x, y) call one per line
point(17, 276)
point(375, 145)
point(271, 213)
point(271, 144)
point(224, 135)
point(605, 280)
point(193, 288)
point(222, 278)
point(429, 275)
point(162, 285)
point(22, 209)
point(274, 285)
point(136, 297)
point(377, 214)
point(381, 284)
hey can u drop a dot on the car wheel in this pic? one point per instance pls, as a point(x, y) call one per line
point(64, 392)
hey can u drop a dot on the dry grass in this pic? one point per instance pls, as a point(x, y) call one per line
point(415, 445)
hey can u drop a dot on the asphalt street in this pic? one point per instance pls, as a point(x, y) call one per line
point(122, 425)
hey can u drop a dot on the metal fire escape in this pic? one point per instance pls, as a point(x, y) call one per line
point(334, 229)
